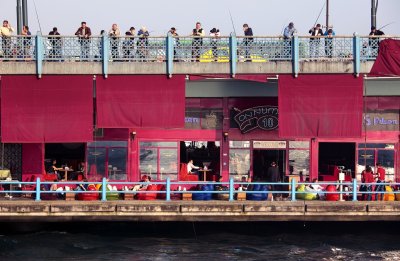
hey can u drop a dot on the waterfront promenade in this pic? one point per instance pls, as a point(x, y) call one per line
point(197, 211)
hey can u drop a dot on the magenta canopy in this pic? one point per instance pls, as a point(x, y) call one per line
point(51, 109)
point(148, 101)
point(320, 106)
point(388, 61)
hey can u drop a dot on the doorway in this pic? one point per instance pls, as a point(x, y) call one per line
point(336, 154)
point(262, 160)
point(66, 154)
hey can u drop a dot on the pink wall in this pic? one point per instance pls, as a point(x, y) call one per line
point(32, 159)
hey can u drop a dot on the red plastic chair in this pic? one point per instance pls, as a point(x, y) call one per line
point(185, 176)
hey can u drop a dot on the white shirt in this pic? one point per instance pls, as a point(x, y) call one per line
point(190, 166)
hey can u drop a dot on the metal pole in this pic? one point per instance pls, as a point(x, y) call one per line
point(25, 12)
point(19, 17)
point(327, 14)
point(373, 13)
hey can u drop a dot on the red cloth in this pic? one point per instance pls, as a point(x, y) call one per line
point(140, 101)
point(51, 109)
point(246, 77)
point(320, 106)
point(388, 61)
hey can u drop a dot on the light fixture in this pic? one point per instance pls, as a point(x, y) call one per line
point(133, 134)
point(226, 134)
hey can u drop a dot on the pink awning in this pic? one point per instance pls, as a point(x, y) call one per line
point(320, 106)
point(140, 101)
point(51, 109)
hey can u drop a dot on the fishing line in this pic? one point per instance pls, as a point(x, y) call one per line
point(320, 12)
point(37, 16)
point(233, 25)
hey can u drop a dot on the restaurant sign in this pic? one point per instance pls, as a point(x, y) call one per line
point(262, 117)
point(381, 121)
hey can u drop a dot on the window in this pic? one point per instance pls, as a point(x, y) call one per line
point(299, 158)
point(159, 160)
point(198, 118)
point(373, 153)
point(107, 159)
point(239, 159)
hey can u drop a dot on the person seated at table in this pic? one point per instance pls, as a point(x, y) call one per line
point(145, 183)
point(54, 169)
point(192, 169)
point(244, 187)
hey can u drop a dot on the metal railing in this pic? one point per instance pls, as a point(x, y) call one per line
point(168, 189)
point(264, 49)
point(326, 48)
point(17, 48)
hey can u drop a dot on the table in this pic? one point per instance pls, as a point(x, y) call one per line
point(66, 173)
point(205, 173)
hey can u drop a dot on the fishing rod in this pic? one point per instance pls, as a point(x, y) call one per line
point(320, 12)
point(37, 16)
point(233, 25)
point(386, 25)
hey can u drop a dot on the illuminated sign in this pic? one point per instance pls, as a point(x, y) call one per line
point(262, 117)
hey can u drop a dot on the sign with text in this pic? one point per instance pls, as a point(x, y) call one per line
point(262, 117)
point(385, 121)
point(269, 144)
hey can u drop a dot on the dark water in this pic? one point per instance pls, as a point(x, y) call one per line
point(200, 241)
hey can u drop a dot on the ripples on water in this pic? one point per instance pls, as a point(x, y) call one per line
point(187, 241)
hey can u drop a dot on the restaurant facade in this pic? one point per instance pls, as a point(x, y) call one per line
point(125, 126)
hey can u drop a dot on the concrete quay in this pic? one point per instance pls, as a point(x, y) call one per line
point(197, 211)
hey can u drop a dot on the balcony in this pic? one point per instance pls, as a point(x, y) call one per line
point(187, 55)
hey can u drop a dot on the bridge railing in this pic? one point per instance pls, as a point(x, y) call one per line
point(230, 190)
point(326, 48)
point(17, 48)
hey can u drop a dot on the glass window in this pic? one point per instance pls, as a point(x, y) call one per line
point(239, 144)
point(376, 145)
point(365, 157)
point(198, 118)
point(239, 163)
point(107, 159)
point(386, 158)
point(299, 144)
point(299, 162)
point(159, 160)
point(173, 144)
point(96, 158)
point(117, 163)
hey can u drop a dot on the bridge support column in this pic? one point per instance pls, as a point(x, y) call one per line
point(232, 54)
point(170, 55)
point(39, 50)
point(295, 55)
point(356, 54)
point(104, 54)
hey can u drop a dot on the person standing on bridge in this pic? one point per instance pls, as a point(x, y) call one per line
point(114, 33)
point(329, 34)
point(315, 33)
point(247, 41)
point(84, 34)
point(197, 42)
point(374, 40)
point(5, 32)
point(288, 33)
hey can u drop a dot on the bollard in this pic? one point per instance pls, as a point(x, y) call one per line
point(231, 189)
point(37, 189)
point(293, 189)
point(168, 190)
point(354, 189)
point(103, 189)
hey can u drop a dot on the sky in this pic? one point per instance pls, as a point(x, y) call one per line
point(266, 17)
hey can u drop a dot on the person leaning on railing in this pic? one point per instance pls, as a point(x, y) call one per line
point(143, 43)
point(374, 40)
point(129, 44)
point(26, 42)
point(214, 42)
point(5, 32)
point(247, 41)
point(84, 34)
point(329, 42)
point(197, 42)
point(55, 42)
point(315, 32)
point(114, 33)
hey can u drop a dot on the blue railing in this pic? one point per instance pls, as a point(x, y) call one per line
point(169, 50)
point(231, 190)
